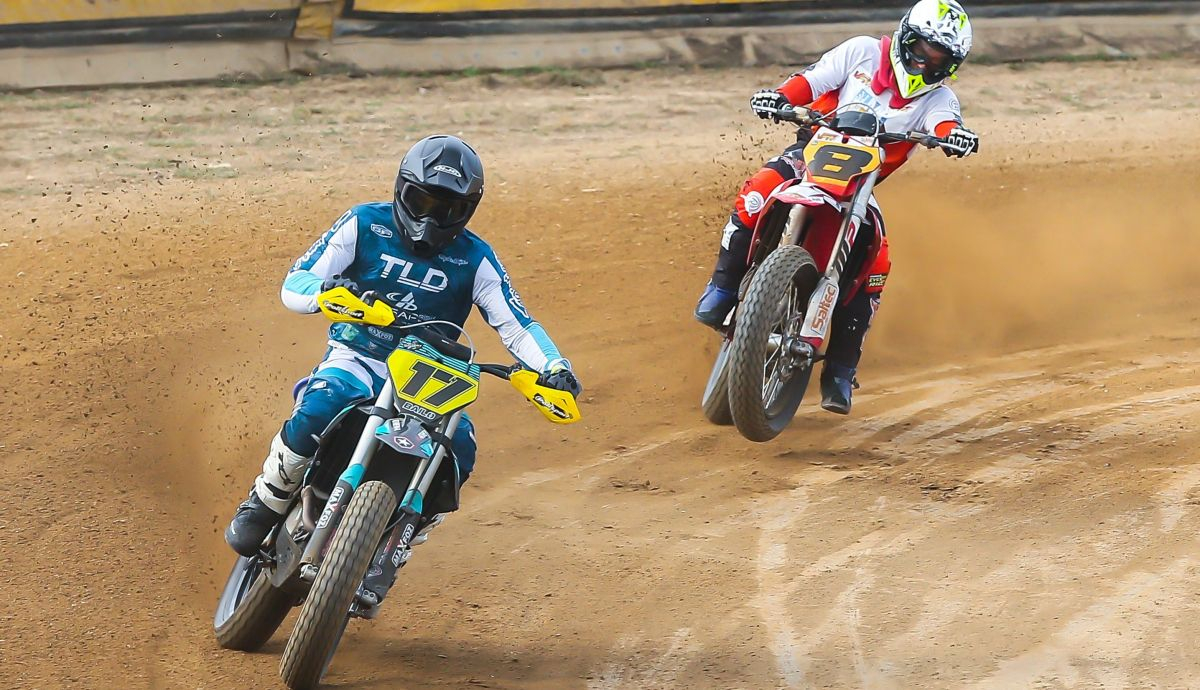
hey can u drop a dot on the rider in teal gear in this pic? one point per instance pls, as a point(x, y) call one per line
point(417, 254)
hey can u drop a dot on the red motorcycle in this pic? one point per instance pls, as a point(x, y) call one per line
point(806, 252)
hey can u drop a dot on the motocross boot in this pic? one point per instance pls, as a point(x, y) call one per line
point(837, 385)
point(380, 577)
point(251, 525)
point(715, 305)
point(270, 498)
point(720, 295)
point(423, 535)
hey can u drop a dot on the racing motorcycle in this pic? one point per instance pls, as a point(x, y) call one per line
point(806, 251)
point(382, 476)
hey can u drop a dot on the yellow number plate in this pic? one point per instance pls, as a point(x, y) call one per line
point(429, 385)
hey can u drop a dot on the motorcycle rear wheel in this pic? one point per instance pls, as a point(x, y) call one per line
point(250, 608)
point(763, 401)
point(326, 611)
point(715, 402)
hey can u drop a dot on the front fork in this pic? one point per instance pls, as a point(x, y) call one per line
point(409, 510)
point(394, 553)
point(814, 333)
point(347, 483)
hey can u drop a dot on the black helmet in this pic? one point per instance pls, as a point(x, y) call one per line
point(437, 190)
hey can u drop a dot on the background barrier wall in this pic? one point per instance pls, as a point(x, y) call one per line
point(88, 42)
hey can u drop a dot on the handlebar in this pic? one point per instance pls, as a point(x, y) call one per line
point(441, 343)
point(808, 117)
point(342, 305)
point(797, 115)
point(499, 370)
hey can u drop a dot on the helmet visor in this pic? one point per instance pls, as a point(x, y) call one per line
point(445, 210)
point(929, 60)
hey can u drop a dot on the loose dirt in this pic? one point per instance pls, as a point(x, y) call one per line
point(1013, 503)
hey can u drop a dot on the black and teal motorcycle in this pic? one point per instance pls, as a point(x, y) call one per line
point(380, 478)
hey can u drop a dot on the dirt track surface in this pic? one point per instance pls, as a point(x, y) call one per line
point(1013, 503)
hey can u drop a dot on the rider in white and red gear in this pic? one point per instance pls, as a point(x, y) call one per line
point(901, 78)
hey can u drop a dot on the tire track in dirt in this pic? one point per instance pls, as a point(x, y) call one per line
point(1114, 426)
point(1094, 646)
point(955, 412)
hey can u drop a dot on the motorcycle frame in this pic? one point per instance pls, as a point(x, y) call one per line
point(410, 505)
point(853, 211)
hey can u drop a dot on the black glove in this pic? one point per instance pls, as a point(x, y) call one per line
point(964, 139)
point(767, 99)
point(337, 282)
point(562, 379)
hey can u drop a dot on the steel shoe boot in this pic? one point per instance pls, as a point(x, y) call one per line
point(251, 525)
point(715, 305)
point(837, 386)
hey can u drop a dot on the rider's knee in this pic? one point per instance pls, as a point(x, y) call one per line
point(464, 447)
point(323, 398)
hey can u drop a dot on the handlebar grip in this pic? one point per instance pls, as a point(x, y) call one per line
point(952, 148)
point(800, 115)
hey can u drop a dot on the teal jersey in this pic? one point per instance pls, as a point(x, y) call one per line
point(365, 246)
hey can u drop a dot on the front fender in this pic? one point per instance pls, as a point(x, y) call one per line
point(789, 193)
point(803, 194)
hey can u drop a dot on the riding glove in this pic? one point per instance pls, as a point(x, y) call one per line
point(560, 377)
point(338, 281)
point(965, 140)
point(764, 101)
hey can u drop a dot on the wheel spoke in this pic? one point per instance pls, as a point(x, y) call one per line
point(770, 389)
point(772, 379)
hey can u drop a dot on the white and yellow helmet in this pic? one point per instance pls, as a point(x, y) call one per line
point(942, 24)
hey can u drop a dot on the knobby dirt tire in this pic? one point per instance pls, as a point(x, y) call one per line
point(758, 314)
point(256, 617)
point(715, 401)
point(326, 611)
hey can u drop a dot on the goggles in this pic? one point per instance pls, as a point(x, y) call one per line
point(445, 210)
point(932, 62)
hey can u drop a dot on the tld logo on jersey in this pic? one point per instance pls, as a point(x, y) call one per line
point(434, 280)
point(382, 231)
point(453, 260)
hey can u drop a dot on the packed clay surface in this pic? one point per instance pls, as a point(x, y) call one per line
point(1014, 501)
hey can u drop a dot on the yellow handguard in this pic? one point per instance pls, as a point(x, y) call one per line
point(339, 304)
point(557, 406)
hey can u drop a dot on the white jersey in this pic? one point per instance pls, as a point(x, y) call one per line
point(849, 72)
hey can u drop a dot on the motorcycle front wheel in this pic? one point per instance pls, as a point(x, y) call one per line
point(767, 382)
point(326, 611)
